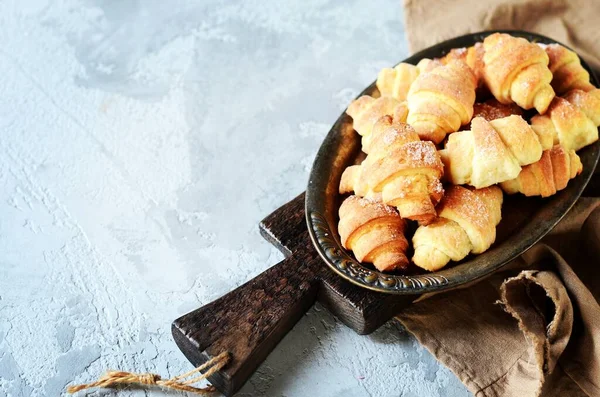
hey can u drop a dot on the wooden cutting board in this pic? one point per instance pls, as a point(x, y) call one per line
point(249, 321)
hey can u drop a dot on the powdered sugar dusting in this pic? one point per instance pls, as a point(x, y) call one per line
point(460, 51)
point(436, 187)
point(375, 203)
point(422, 152)
point(470, 205)
point(390, 136)
point(378, 205)
point(487, 139)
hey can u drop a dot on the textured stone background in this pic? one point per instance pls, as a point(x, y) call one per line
point(140, 144)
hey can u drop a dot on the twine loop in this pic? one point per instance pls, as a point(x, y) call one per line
point(114, 378)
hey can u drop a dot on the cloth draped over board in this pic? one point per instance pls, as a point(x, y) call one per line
point(534, 328)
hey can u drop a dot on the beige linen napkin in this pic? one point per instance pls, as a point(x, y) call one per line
point(533, 332)
point(572, 22)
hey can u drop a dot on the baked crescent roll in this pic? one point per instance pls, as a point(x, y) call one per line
point(547, 176)
point(405, 170)
point(354, 181)
point(565, 65)
point(571, 121)
point(472, 56)
point(401, 113)
point(490, 152)
point(401, 170)
point(466, 223)
point(366, 110)
point(441, 100)
point(395, 82)
point(517, 71)
point(374, 232)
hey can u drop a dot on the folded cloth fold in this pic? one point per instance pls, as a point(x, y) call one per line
point(573, 22)
point(531, 330)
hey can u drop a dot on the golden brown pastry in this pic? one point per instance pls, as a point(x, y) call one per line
point(547, 176)
point(395, 82)
point(374, 232)
point(565, 65)
point(490, 152)
point(401, 113)
point(571, 121)
point(466, 223)
point(517, 71)
point(354, 180)
point(492, 110)
point(366, 110)
point(426, 65)
point(472, 56)
point(441, 100)
point(401, 170)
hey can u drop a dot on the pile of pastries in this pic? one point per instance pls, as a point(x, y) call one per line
point(446, 137)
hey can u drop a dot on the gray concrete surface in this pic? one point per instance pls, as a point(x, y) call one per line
point(140, 144)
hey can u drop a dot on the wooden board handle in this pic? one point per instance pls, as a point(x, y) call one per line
point(249, 321)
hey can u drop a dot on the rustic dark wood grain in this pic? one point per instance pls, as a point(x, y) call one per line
point(249, 321)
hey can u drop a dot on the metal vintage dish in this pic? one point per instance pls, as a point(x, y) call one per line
point(525, 220)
